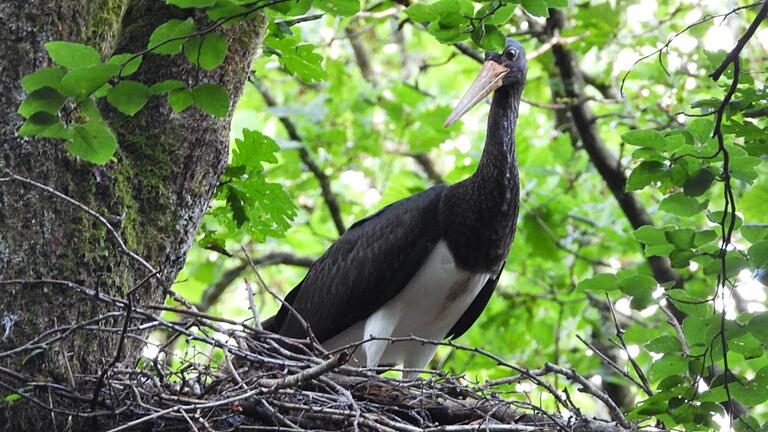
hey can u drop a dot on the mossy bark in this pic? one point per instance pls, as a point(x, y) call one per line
point(154, 194)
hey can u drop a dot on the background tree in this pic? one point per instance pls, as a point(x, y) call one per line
point(642, 237)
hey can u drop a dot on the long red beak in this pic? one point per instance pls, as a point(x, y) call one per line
point(487, 81)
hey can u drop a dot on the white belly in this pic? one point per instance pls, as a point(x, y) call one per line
point(428, 307)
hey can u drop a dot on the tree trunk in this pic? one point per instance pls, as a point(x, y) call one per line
point(154, 194)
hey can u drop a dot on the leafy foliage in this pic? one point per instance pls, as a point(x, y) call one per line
point(246, 202)
point(577, 263)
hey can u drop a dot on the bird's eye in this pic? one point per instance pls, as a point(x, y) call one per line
point(512, 54)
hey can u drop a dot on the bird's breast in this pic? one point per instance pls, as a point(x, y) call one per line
point(430, 304)
point(436, 297)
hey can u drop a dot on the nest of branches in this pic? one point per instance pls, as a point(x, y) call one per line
point(242, 378)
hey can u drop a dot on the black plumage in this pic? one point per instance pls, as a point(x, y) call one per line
point(377, 257)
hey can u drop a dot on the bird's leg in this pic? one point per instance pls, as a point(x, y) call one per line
point(379, 325)
point(417, 357)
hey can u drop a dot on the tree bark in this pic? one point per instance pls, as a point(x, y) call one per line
point(154, 194)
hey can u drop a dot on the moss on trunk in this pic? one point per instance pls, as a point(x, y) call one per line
point(155, 194)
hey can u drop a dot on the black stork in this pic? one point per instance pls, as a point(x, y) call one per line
point(426, 265)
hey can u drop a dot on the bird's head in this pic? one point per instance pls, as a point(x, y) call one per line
point(505, 69)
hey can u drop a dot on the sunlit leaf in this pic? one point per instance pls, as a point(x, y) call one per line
point(206, 51)
point(212, 99)
point(128, 96)
point(72, 55)
point(93, 142)
point(169, 37)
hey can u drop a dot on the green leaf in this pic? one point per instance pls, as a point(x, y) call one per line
point(641, 288)
point(747, 345)
point(704, 237)
point(652, 235)
point(212, 99)
point(449, 34)
point(645, 138)
point(292, 8)
point(743, 168)
point(682, 238)
point(179, 100)
point(253, 149)
point(755, 391)
point(45, 125)
point(698, 183)
point(557, 3)
point(488, 37)
point(680, 258)
point(11, 397)
point(536, 7)
point(169, 37)
point(758, 327)
point(128, 96)
point(734, 263)
point(421, 12)
point(43, 99)
point(646, 173)
point(235, 200)
point(81, 83)
point(701, 129)
point(72, 55)
point(206, 51)
point(191, 3)
point(45, 77)
point(754, 233)
point(670, 364)
point(299, 60)
point(93, 142)
point(228, 8)
point(758, 254)
point(715, 394)
point(638, 285)
point(339, 7)
point(130, 67)
point(682, 205)
point(444, 8)
point(500, 17)
point(675, 139)
point(717, 217)
point(664, 344)
point(165, 86)
point(599, 283)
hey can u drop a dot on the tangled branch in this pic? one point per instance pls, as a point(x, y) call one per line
point(245, 377)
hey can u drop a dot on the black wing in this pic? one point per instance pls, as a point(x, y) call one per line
point(367, 266)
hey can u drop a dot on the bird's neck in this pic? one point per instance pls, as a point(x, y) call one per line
point(496, 178)
point(498, 165)
point(479, 214)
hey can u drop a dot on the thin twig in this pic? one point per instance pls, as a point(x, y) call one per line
point(678, 328)
point(252, 305)
point(283, 303)
point(615, 367)
point(734, 53)
point(594, 391)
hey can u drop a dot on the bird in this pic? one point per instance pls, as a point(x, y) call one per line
point(427, 265)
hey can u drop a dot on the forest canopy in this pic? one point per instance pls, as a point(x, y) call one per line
point(641, 256)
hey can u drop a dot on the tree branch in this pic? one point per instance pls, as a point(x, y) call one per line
point(734, 53)
point(603, 160)
point(361, 55)
point(212, 294)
